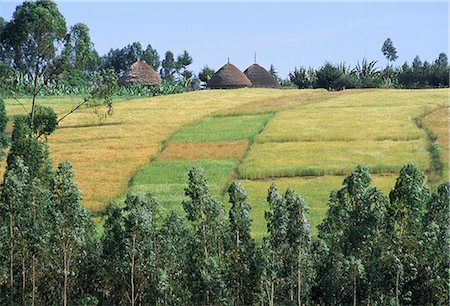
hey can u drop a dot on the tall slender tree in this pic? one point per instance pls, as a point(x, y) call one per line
point(207, 249)
point(242, 272)
point(300, 243)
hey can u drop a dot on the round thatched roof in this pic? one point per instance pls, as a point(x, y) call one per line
point(140, 73)
point(260, 77)
point(229, 76)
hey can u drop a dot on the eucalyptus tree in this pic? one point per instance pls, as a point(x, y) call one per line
point(389, 51)
point(34, 35)
point(275, 247)
point(352, 231)
point(128, 250)
point(74, 228)
point(207, 248)
point(182, 63)
point(404, 227)
point(432, 279)
point(242, 274)
point(151, 57)
point(300, 273)
point(168, 66)
point(172, 251)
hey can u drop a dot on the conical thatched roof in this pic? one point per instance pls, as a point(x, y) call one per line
point(140, 73)
point(227, 77)
point(260, 77)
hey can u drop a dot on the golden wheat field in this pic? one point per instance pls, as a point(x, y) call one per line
point(307, 139)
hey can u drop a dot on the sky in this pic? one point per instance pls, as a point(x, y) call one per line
point(285, 34)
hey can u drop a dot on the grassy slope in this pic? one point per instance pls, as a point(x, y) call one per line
point(106, 157)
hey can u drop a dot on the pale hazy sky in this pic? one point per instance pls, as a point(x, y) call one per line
point(286, 34)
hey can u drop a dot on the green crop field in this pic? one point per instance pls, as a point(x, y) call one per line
point(222, 128)
point(167, 180)
point(307, 139)
point(289, 159)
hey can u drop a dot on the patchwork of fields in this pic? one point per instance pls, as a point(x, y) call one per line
point(307, 139)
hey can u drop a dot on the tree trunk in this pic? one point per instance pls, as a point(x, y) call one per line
point(33, 271)
point(354, 290)
point(272, 293)
point(24, 282)
point(11, 258)
point(299, 279)
point(132, 272)
point(65, 276)
point(35, 92)
point(397, 281)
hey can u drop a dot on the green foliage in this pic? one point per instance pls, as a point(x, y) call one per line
point(103, 90)
point(242, 272)
point(207, 218)
point(205, 75)
point(151, 57)
point(168, 66)
point(32, 36)
point(328, 76)
point(303, 78)
point(128, 252)
point(183, 61)
point(389, 50)
point(45, 121)
point(74, 229)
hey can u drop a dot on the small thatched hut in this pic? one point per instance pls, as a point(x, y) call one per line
point(140, 73)
point(229, 77)
point(260, 77)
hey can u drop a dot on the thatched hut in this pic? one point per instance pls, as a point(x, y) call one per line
point(229, 77)
point(140, 73)
point(260, 77)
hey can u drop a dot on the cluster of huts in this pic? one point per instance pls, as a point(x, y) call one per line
point(227, 77)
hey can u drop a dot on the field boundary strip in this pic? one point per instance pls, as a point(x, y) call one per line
point(435, 172)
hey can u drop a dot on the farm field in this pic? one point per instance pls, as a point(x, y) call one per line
point(107, 153)
point(307, 139)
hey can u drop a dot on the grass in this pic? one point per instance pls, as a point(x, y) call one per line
point(203, 150)
point(315, 190)
point(331, 158)
point(106, 157)
point(167, 180)
point(222, 129)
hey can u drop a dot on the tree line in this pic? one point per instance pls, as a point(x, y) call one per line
point(366, 74)
point(371, 248)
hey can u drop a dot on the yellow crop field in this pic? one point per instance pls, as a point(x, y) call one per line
point(289, 159)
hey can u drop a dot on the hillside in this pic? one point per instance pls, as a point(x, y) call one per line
point(307, 139)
